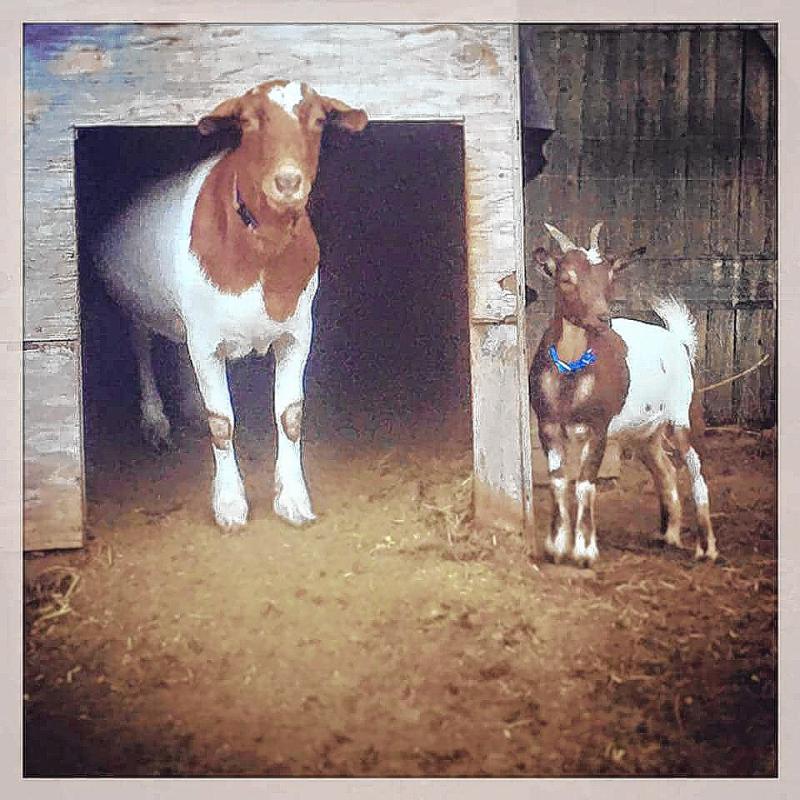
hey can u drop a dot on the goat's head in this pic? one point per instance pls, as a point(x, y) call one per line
point(281, 124)
point(583, 277)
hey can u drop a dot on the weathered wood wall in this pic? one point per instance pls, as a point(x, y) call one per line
point(84, 75)
point(668, 134)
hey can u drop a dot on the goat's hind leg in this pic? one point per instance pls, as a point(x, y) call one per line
point(154, 423)
point(665, 476)
point(706, 543)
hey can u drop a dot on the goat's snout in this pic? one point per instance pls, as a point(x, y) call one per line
point(288, 180)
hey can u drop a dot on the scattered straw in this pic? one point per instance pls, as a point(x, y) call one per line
point(54, 600)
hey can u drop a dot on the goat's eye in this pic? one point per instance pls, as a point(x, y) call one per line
point(319, 122)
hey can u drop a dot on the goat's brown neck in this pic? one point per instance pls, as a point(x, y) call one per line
point(573, 341)
point(281, 252)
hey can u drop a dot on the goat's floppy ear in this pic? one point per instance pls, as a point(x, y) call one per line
point(620, 262)
point(342, 116)
point(225, 116)
point(546, 262)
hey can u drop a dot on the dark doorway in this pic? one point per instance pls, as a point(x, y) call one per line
point(390, 359)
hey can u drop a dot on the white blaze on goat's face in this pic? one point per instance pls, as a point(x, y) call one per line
point(583, 289)
point(593, 256)
point(281, 123)
point(287, 97)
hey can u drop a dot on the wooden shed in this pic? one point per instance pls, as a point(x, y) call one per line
point(80, 77)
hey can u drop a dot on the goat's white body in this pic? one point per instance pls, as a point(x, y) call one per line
point(145, 260)
point(660, 368)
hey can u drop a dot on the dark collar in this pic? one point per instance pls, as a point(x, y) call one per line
point(241, 209)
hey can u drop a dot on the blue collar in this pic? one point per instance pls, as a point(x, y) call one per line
point(568, 368)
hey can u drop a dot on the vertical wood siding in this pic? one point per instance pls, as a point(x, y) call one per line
point(668, 135)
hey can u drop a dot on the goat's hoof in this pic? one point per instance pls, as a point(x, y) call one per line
point(296, 512)
point(673, 540)
point(711, 554)
point(230, 513)
point(157, 433)
point(550, 549)
point(585, 558)
point(556, 548)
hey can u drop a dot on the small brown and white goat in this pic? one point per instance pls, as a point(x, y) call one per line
point(594, 377)
point(224, 259)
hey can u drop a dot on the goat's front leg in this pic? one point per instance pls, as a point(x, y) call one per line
point(227, 495)
point(553, 441)
point(292, 502)
point(593, 445)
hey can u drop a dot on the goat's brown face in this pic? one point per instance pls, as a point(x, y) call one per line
point(281, 123)
point(583, 279)
point(584, 290)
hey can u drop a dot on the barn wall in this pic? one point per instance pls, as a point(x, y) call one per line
point(87, 75)
point(668, 135)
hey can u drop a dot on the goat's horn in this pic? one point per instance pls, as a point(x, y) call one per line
point(564, 242)
point(594, 237)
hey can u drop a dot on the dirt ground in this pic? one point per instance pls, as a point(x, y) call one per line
point(391, 638)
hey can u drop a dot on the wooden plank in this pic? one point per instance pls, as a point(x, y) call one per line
point(572, 66)
point(671, 153)
point(523, 416)
point(595, 106)
point(572, 56)
point(757, 187)
point(593, 194)
point(53, 463)
point(620, 233)
point(647, 130)
point(172, 79)
point(770, 37)
point(700, 315)
point(754, 394)
point(490, 153)
point(49, 252)
point(543, 48)
point(538, 208)
point(756, 284)
point(499, 490)
point(718, 283)
point(719, 364)
point(727, 126)
point(700, 138)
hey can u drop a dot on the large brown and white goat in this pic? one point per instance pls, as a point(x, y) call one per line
point(224, 258)
point(594, 377)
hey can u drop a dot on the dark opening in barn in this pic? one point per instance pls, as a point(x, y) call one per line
point(389, 364)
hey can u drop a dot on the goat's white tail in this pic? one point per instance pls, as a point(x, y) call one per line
point(679, 321)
